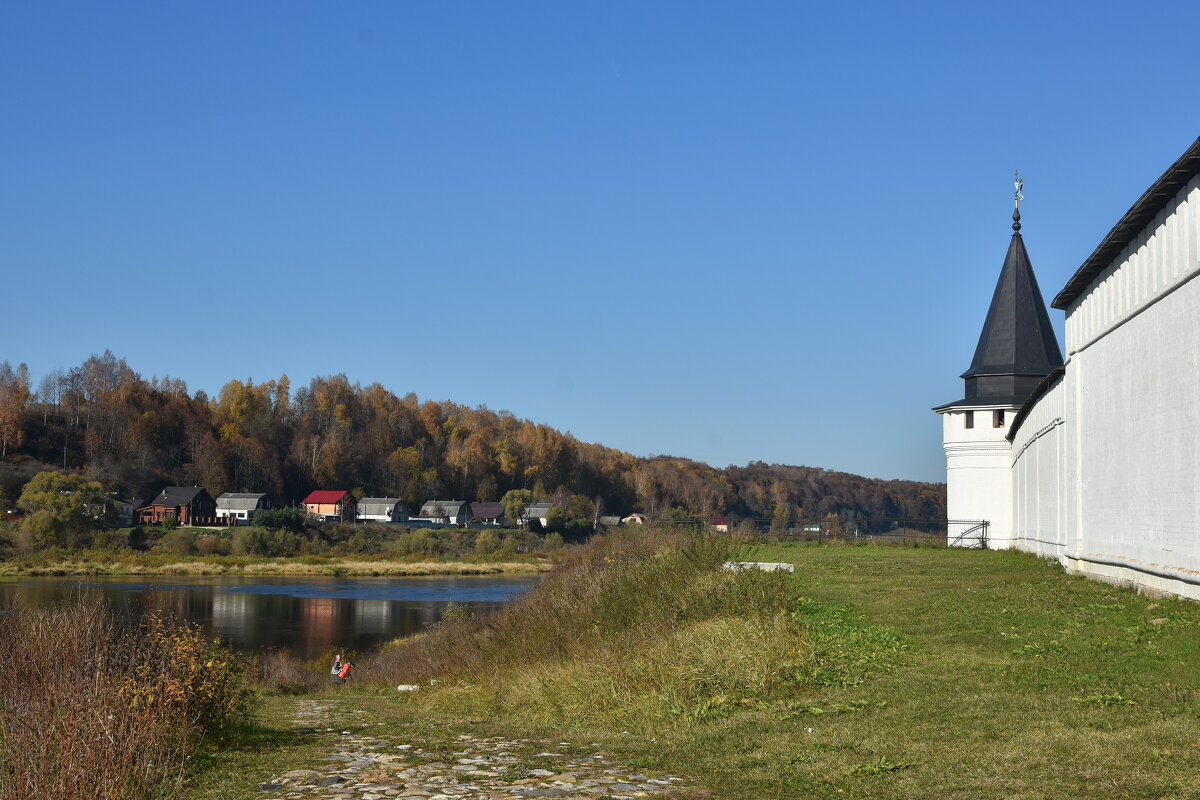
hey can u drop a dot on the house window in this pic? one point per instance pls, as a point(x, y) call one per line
point(997, 419)
point(969, 419)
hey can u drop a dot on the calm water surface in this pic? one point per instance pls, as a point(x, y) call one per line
point(309, 616)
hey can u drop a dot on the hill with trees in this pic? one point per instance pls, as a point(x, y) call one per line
point(135, 436)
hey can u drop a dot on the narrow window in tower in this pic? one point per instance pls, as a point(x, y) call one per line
point(969, 419)
point(997, 419)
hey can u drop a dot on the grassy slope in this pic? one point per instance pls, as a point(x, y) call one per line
point(937, 673)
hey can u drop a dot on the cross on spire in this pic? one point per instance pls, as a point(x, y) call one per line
point(1018, 184)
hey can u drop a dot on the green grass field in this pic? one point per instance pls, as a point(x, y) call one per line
point(925, 673)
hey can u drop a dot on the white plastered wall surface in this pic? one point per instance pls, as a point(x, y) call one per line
point(1113, 488)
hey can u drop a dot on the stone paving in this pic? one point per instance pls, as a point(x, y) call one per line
point(365, 767)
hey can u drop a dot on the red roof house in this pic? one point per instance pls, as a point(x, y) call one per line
point(330, 504)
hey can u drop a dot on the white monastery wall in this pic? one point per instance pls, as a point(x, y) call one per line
point(1127, 506)
point(1041, 465)
point(1165, 255)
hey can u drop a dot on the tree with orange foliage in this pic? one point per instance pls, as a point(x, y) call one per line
point(14, 393)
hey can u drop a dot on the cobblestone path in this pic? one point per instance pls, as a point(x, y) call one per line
point(365, 767)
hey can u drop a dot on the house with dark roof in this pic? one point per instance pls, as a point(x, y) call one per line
point(330, 505)
point(382, 509)
point(187, 505)
point(488, 513)
point(238, 508)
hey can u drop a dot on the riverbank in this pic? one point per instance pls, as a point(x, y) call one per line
point(201, 566)
point(922, 673)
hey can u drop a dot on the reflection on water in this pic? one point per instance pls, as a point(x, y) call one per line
point(308, 616)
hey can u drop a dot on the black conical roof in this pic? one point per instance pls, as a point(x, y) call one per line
point(1017, 347)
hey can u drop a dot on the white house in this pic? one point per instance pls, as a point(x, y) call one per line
point(237, 508)
point(1103, 453)
point(539, 512)
point(381, 509)
point(446, 512)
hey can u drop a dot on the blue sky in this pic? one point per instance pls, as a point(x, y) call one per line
point(726, 231)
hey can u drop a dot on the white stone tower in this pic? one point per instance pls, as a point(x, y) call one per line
point(1017, 350)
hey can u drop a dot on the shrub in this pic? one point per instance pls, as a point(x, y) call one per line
point(263, 542)
point(288, 519)
point(180, 543)
point(181, 668)
point(210, 544)
point(415, 542)
point(553, 541)
point(137, 537)
point(91, 711)
point(362, 542)
point(486, 544)
point(109, 540)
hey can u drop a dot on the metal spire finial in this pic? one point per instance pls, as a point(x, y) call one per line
point(1018, 184)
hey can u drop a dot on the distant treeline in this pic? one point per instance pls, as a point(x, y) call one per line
point(137, 436)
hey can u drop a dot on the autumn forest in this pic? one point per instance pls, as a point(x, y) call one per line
point(137, 435)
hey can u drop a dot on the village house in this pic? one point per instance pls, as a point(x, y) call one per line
point(126, 510)
point(382, 509)
point(237, 508)
point(446, 512)
point(330, 505)
point(488, 513)
point(187, 505)
point(536, 511)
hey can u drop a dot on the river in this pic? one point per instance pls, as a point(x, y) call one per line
point(310, 616)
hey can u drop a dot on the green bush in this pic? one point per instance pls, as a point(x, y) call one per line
point(416, 542)
point(288, 519)
point(109, 539)
point(262, 542)
point(362, 543)
point(179, 543)
point(212, 544)
point(486, 544)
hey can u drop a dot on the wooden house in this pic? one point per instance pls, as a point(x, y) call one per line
point(187, 505)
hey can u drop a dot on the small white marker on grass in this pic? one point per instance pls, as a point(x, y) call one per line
point(766, 566)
